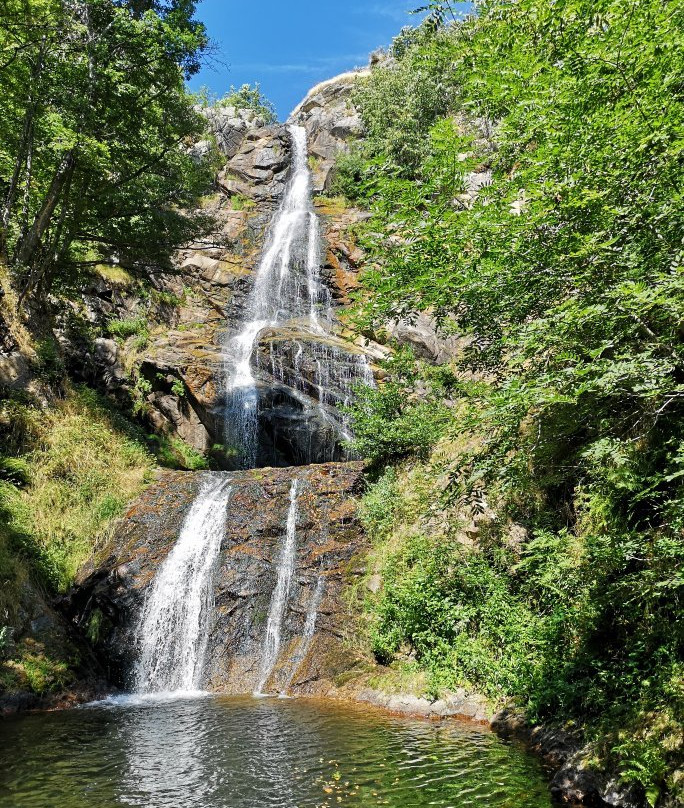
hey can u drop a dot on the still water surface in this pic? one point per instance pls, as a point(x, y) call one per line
point(257, 753)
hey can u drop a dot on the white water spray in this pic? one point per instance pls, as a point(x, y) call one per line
point(286, 568)
point(174, 625)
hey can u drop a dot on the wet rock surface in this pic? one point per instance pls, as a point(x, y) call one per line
point(574, 780)
point(112, 587)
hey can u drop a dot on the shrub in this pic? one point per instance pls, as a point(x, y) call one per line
point(128, 328)
point(248, 97)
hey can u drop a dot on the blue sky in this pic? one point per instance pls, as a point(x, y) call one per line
point(290, 46)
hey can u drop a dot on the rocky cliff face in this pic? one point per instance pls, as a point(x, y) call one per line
point(328, 539)
point(177, 377)
point(332, 123)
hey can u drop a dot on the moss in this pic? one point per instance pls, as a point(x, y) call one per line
point(210, 200)
point(94, 626)
point(115, 275)
point(359, 667)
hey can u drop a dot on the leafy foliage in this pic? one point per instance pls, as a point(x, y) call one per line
point(394, 420)
point(94, 127)
point(250, 98)
point(535, 205)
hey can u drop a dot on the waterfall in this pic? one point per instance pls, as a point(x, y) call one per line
point(174, 625)
point(288, 291)
point(278, 294)
point(313, 370)
point(276, 610)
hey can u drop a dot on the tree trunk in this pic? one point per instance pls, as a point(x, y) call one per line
point(62, 177)
point(24, 151)
point(41, 273)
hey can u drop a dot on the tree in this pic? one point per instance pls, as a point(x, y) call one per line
point(96, 123)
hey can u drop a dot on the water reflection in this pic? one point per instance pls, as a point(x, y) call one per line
point(257, 753)
point(167, 753)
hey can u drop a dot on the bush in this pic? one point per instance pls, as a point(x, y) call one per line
point(520, 169)
point(248, 97)
point(394, 419)
point(130, 327)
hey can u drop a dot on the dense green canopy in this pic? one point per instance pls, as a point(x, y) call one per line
point(94, 125)
point(525, 171)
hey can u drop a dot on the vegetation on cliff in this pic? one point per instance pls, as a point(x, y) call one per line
point(524, 171)
point(98, 186)
point(66, 470)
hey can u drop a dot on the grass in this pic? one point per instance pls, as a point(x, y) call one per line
point(85, 464)
point(33, 669)
point(241, 202)
point(115, 275)
point(331, 205)
point(122, 329)
point(173, 452)
point(167, 298)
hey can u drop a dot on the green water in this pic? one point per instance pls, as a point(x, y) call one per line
point(257, 753)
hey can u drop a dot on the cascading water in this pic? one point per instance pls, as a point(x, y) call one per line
point(289, 300)
point(277, 295)
point(174, 625)
point(309, 629)
point(288, 293)
point(286, 568)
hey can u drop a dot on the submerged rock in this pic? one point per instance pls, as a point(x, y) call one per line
point(575, 780)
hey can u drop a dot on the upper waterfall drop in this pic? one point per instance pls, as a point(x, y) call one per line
point(291, 306)
point(287, 285)
point(174, 624)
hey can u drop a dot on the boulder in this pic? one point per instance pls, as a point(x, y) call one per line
point(331, 122)
point(259, 167)
point(427, 340)
point(229, 126)
point(181, 418)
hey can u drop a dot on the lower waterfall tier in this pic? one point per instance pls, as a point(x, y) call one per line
point(313, 508)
